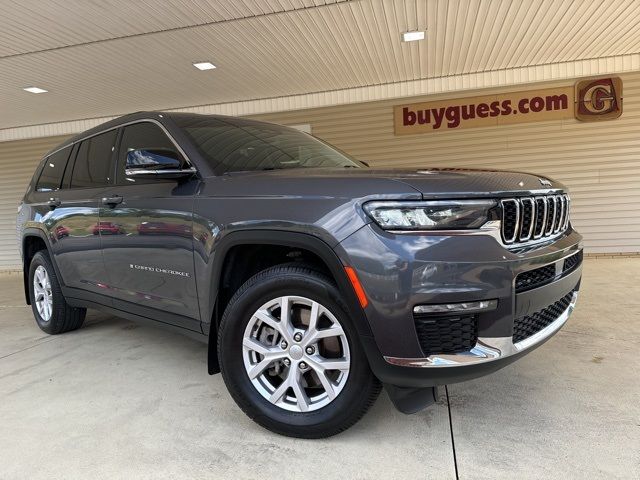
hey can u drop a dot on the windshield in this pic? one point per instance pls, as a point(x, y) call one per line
point(259, 146)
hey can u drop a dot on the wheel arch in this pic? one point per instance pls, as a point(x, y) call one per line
point(33, 241)
point(294, 240)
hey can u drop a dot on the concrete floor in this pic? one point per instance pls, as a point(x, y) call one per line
point(119, 400)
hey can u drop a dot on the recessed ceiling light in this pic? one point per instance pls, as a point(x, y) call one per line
point(412, 36)
point(204, 66)
point(35, 90)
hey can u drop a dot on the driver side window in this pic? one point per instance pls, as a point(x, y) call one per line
point(145, 146)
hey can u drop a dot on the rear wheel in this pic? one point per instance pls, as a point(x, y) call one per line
point(290, 356)
point(50, 309)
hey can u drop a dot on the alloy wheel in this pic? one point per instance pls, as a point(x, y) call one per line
point(296, 353)
point(42, 293)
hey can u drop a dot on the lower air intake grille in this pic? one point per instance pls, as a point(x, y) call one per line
point(573, 261)
point(524, 327)
point(535, 278)
point(439, 334)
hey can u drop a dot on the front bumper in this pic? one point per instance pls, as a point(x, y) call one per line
point(489, 349)
point(400, 271)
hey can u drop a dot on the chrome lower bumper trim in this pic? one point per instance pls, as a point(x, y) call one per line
point(488, 349)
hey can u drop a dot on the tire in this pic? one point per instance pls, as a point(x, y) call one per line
point(60, 317)
point(356, 386)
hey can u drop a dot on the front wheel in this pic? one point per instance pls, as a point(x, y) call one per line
point(290, 356)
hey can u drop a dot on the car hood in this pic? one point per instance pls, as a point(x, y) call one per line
point(469, 182)
point(428, 182)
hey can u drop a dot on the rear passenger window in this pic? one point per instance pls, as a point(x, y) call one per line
point(93, 167)
point(53, 170)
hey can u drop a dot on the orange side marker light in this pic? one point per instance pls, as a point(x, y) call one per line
point(353, 278)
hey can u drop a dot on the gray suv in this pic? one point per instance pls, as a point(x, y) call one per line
point(314, 279)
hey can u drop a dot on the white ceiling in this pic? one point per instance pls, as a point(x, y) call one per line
point(102, 58)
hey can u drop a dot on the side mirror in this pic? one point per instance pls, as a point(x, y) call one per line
point(156, 162)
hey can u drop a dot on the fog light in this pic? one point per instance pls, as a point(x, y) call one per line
point(482, 305)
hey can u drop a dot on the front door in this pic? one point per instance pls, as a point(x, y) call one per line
point(146, 227)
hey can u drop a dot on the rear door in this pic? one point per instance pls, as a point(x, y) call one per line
point(45, 200)
point(146, 226)
point(75, 233)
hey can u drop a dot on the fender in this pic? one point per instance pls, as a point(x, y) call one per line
point(36, 232)
point(286, 239)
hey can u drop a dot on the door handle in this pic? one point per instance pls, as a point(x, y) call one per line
point(112, 201)
point(54, 203)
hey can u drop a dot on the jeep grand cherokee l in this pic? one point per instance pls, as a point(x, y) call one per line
point(314, 279)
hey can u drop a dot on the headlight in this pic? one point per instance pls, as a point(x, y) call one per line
point(430, 215)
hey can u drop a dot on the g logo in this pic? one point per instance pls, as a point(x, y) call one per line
point(599, 99)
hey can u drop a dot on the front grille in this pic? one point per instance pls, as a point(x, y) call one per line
point(535, 278)
point(571, 262)
point(524, 327)
point(525, 219)
point(439, 334)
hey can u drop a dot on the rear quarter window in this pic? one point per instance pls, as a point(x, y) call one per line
point(52, 171)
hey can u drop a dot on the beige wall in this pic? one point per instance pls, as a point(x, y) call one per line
point(600, 162)
point(18, 160)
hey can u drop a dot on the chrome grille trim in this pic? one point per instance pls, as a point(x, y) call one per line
point(537, 233)
point(551, 215)
point(526, 204)
point(516, 227)
point(558, 215)
point(563, 207)
point(565, 225)
point(549, 218)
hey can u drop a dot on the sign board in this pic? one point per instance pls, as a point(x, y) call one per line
point(590, 100)
point(599, 99)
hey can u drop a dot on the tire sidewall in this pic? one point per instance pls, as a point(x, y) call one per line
point(234, 323)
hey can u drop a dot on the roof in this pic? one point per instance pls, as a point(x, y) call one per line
point(148, 115)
